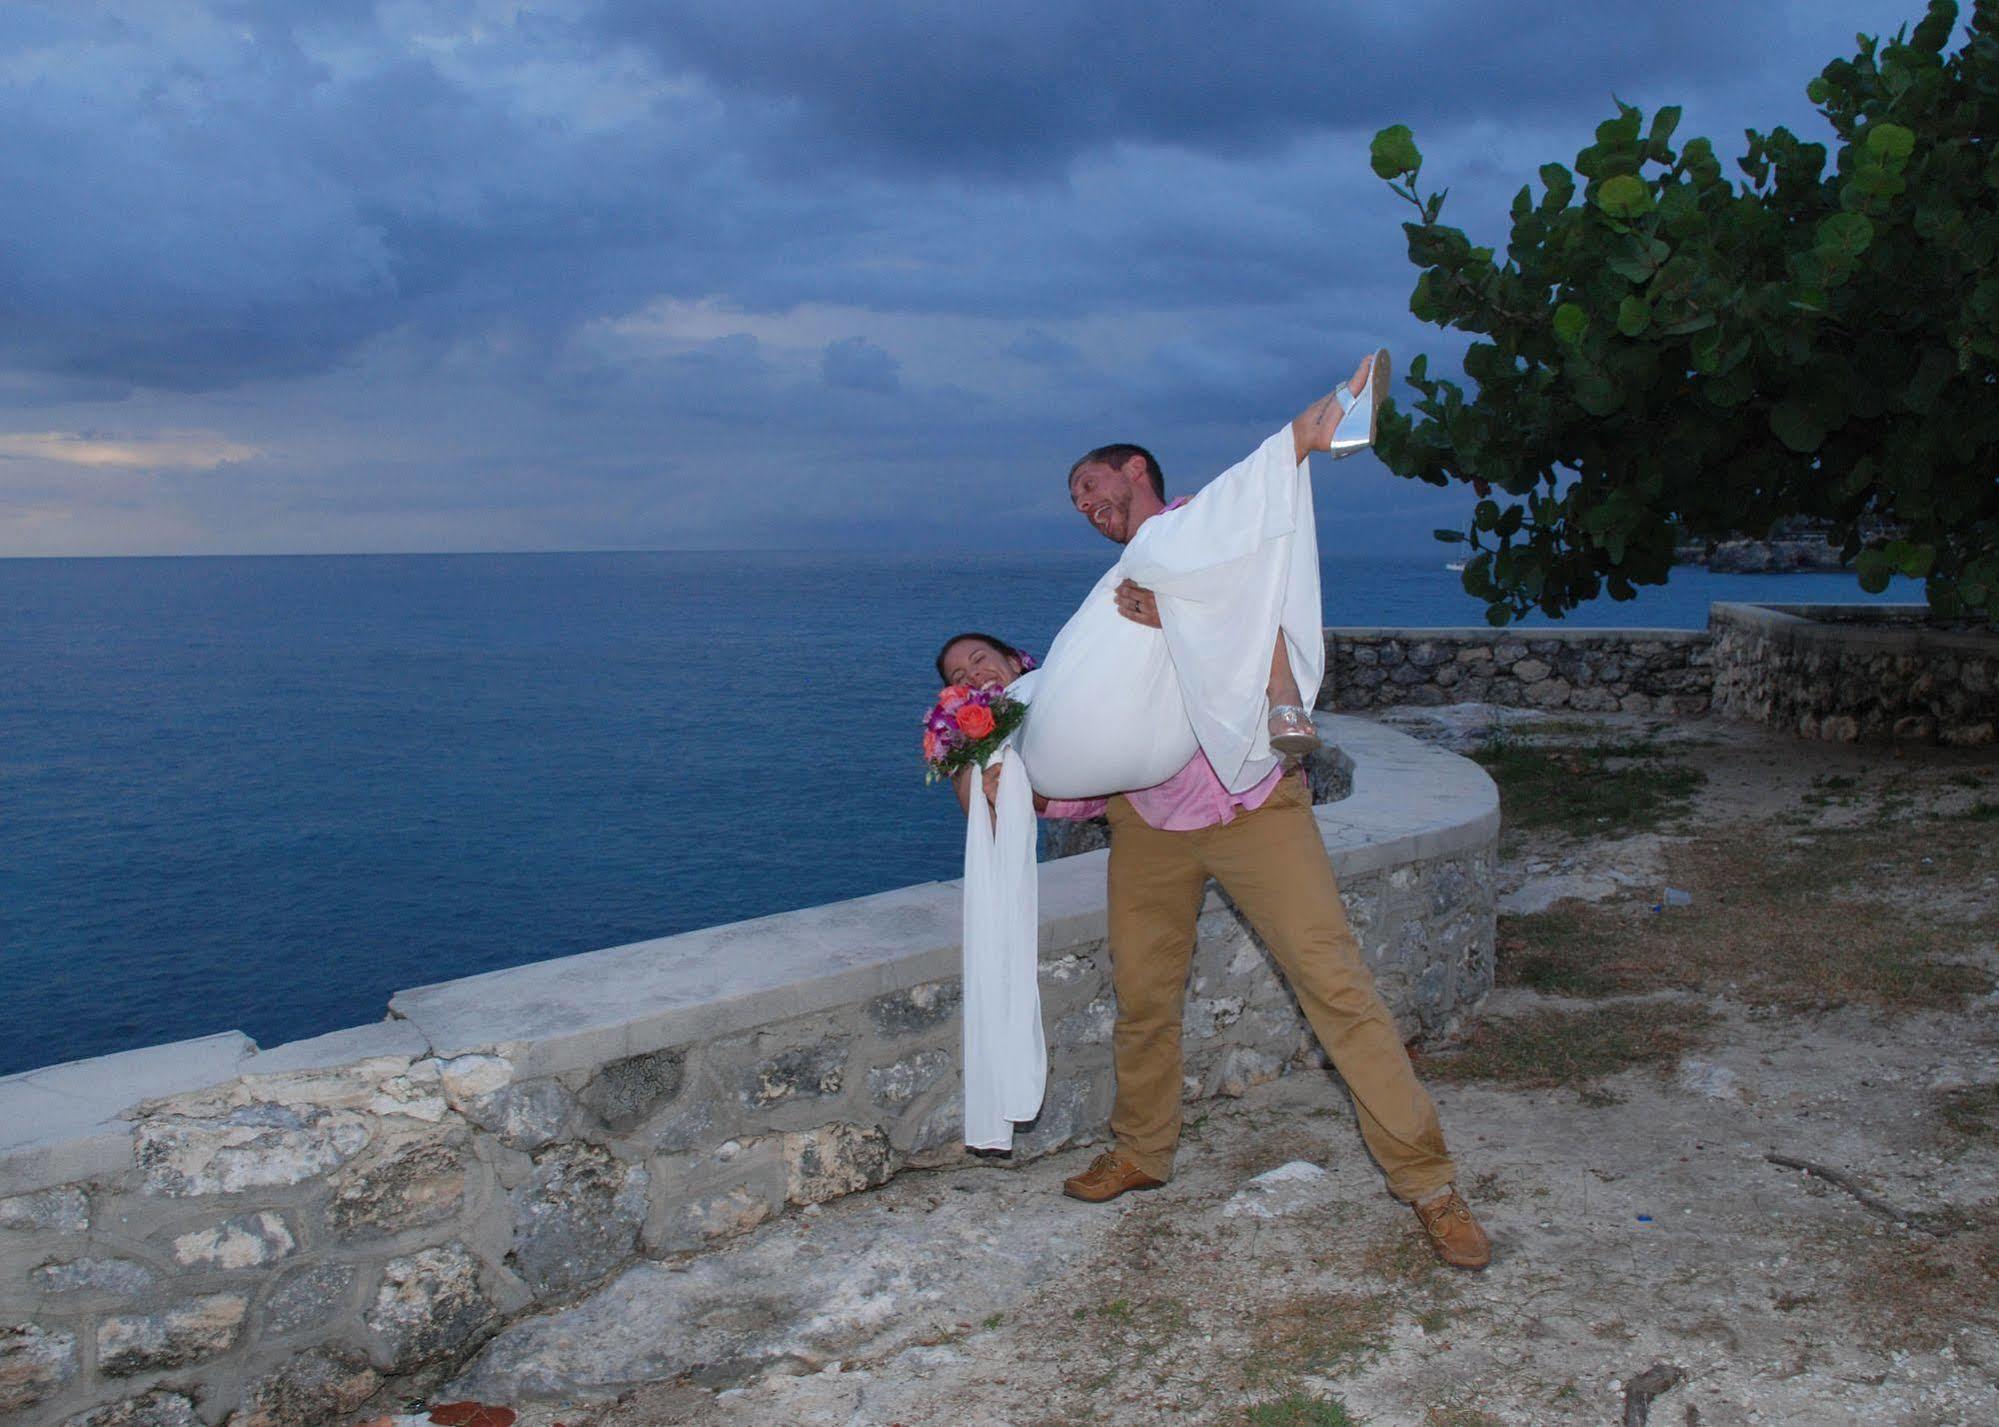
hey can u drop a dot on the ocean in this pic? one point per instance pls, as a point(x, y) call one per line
point(265, 793)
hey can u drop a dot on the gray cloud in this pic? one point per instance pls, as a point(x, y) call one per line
point(543, 276)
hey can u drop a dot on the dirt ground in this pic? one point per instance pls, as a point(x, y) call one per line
point(1817, 985)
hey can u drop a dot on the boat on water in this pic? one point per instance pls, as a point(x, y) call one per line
point(1454, 564)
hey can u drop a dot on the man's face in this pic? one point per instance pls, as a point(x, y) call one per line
point(1104, 493)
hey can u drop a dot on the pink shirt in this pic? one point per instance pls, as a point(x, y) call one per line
point(1191, 799)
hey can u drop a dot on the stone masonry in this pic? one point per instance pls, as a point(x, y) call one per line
point(209, 1233)
point(1662, 671)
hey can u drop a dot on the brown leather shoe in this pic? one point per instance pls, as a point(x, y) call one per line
point(1109, 1175)
point(1453, 1233)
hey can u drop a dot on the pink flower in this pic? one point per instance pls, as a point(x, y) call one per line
point(933, 746)
point(953, 698)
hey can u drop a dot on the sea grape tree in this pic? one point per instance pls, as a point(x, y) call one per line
point(1663, 351)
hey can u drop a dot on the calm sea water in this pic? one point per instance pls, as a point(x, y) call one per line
point(266, 793)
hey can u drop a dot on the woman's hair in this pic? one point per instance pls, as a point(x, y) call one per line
point(1019, 656)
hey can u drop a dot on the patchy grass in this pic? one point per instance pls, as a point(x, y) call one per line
point(1983, 812)
point(1298, 1410)
point(1592, 790)
point(1840, 916)
point(1324, 1334)
point(1919, 1294)
point(1971, 1113)
point(1571, 1049)
point(1460, 1416)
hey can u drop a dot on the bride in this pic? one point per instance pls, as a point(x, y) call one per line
point(1121, 705)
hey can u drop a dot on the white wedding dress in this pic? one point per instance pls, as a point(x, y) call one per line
point(1118, 706)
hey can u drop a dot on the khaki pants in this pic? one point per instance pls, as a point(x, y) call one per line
point(1273, 863)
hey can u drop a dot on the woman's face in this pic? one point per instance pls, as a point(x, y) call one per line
point(977, 663)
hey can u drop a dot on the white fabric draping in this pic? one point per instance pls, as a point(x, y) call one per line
point(1117, 706)
point(1006, 1057)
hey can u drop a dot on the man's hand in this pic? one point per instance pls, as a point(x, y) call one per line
point(1137, 604)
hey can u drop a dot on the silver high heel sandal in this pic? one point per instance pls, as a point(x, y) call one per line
point(1291, 731)
point(1356, 429)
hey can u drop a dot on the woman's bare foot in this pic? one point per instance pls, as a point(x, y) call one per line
point(1314, 428)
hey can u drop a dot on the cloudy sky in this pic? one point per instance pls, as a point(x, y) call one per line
point(332, 275)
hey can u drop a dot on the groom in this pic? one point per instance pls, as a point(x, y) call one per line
point(1263, 846)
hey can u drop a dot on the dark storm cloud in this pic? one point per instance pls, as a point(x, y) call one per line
point(547, 256)
point(1023, 87)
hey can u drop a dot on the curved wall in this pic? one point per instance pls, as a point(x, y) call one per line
point(207, 1231)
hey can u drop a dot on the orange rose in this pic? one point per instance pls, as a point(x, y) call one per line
point(975, 720)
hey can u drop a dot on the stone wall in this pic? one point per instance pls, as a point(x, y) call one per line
point(1853, 672)
point(1592, 670)
point(208, 1232)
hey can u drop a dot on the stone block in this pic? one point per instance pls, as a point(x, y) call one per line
point(1089, 1026)
point(314, 1389)
point(1236, 1070)
point(246, 1241)
point(706, 1218)
point(189, 1332)
point(800, 1072)
point(577, 1219)
point(920, 1008)
point(1475, 654)
point(309, 1296)
point(1530, 671)
point(691, 1125)
point(1428, 652)
point(1971, 735)
point(626, 1093)
point(256, 1146)
point(470, 1078)
point(1207, 1016)
point(893, 1086)
point(1076, 1108)
point(934, 1134)
point(150, 1409)
point(1547, 694)
point(1362, 655)
point(121, 1278)
point(48, 1211)
point(1510, 651)
point(35, 1364)
point(525, 1115)
point(833, 1160)
point(429, 1307)
point(412, 1184)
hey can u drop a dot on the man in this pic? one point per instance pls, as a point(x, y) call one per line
point(1263, 846)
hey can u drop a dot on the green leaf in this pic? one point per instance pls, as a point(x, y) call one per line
point(1624, 196)
point(1846, 233)
point(1596, 393)
point(1633, 316)
point(1663, 124)
point(1394, 153)
point(1449, 537)
point(1797, 426)
point(1890, 140)
point(1497, 613)
point(1570, 323)
point(1561, 187)
point(1818, 91)
point(1874, 569)
point(1485, 514)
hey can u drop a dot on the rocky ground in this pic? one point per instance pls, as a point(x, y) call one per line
point(1726, 954)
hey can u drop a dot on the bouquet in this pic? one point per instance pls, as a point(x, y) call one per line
point(967, 726)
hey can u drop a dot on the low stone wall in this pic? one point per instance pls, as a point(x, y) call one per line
point(1855, 671)
point(1662, 671)
point(207, 1232)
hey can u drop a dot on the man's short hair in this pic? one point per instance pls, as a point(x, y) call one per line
point(1115, 456)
